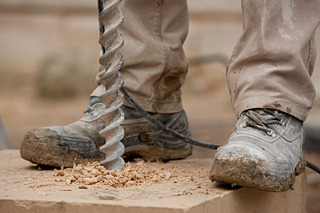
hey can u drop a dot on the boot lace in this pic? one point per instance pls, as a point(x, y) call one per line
point(262, 121)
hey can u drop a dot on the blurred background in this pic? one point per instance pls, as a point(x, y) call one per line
point(49, 58)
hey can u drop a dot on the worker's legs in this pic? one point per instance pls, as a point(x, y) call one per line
point(270, 69)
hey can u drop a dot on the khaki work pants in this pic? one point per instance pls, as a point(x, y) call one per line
point(270, 66)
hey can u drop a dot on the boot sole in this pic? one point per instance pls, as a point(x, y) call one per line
point(240, 172)
point(47, 150)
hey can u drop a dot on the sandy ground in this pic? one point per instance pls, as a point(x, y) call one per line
point(176, 178)
point(175, 186)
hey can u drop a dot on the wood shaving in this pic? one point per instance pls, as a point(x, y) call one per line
point(133, 174)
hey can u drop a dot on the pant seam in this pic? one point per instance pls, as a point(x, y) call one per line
point(155, 98)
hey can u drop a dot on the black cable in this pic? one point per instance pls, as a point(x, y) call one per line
point(313, 167)
point(101, 26)
point(165, 128)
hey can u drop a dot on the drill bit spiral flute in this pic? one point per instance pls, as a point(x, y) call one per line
point(110, 18)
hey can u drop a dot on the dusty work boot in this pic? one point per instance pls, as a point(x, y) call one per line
point(145, 140)
point(264, 152)
point(77, 142)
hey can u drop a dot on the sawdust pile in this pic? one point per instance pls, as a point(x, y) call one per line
point(133, 174)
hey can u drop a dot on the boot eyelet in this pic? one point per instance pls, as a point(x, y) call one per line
point(244, 125)
point(271, 133)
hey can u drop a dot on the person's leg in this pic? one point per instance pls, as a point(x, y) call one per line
point(272, 63)
point(271, 92)
point(154, 70)
point(155, 65)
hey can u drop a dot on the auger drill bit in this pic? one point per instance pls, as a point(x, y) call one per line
point(111, 80)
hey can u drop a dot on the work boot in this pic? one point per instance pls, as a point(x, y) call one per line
point(145, 140)
point(77, 142)
point(264, 152)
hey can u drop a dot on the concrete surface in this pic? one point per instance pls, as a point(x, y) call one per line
point(25, 188)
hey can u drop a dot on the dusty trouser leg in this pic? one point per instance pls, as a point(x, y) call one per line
point(155, 65)
point(154, 70)
point(272, 63)
point(271, 92)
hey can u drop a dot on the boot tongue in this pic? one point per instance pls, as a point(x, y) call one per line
point(263, 114)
